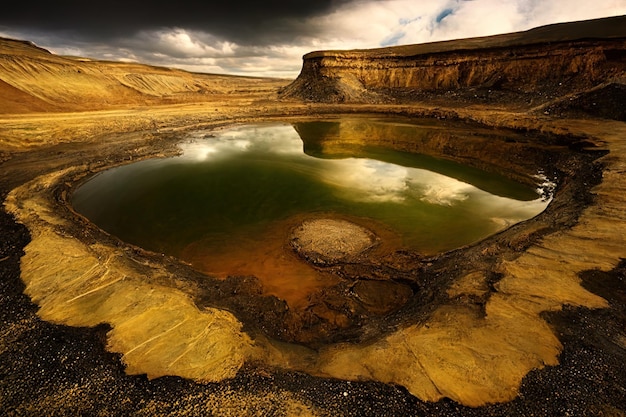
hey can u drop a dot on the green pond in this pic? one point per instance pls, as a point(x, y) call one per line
point(232, 192)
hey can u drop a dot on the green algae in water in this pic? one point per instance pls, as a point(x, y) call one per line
point(236, 184)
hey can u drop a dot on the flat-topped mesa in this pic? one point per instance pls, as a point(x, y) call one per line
point(532, 67)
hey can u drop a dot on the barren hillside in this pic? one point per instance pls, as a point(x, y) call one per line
point(34, 80)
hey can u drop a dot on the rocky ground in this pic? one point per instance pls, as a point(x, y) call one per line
point(563, 274)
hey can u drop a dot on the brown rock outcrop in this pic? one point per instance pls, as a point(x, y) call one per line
point(532, 67)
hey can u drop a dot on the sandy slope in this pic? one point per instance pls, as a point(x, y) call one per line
point(34, 80)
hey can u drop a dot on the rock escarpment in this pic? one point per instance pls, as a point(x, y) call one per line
point(531, 68)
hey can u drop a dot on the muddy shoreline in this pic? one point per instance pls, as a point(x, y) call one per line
point(66, 370)
point(416, 283)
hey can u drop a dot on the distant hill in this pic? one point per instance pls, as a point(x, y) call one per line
point(34, 80)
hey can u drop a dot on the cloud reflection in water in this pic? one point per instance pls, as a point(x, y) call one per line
point(360, 179)
point(240, 180)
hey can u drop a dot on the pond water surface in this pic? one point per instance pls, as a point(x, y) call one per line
point(228, 203)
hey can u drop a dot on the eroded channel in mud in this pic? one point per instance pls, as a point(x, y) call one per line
point(229, 206)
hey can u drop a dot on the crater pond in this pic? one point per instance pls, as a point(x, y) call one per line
point(227, 204)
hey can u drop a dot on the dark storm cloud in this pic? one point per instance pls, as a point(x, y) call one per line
point(242, 22)
point(269, 38)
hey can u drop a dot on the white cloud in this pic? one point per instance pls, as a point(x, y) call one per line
point(366, 179)
point(355, 25)
point(491, 17)
point(179, 42)
point(438, 189)
point(382, 23)
point(371, 24)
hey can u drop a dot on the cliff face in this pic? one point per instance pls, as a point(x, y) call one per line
point(529, 67)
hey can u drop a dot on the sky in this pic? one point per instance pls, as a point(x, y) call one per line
point(269, 38)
